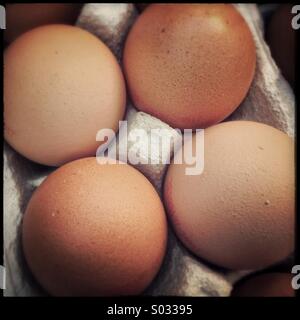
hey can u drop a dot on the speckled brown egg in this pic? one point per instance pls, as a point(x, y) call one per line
point(61, 85)
point(265, 285)
point(239, 213)
point(94, 229)
point(282, 40)
point(21, 17)
point(190, 65)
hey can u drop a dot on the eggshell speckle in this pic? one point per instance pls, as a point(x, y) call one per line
point(61, 85)
point(190, 65)
point(95, 230)
point(239, 213)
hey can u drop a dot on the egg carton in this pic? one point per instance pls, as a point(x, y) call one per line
point(270, 100)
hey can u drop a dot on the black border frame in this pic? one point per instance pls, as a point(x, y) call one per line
point(253, 307)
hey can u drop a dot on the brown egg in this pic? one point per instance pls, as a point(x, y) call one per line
point(239, 213)
point(21, 17)
point(282, 37)
point(94, 229)
point(190, 65)
point(265, 285)
point(61, 85)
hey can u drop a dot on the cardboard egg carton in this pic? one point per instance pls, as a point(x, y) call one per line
point(270, 100)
